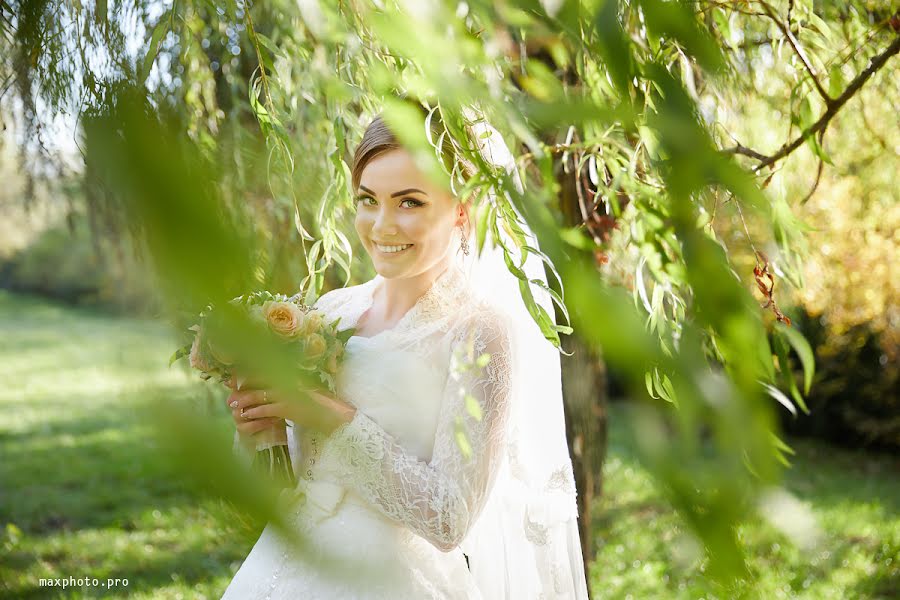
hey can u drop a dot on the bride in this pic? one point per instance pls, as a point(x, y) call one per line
point(440, 469)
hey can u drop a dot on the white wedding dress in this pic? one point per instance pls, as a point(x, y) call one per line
point(390, 496)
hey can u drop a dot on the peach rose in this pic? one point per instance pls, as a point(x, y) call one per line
point(196, 359)
point(315, 346)
point(332, 366)
point(312, 322)
point(284, 318)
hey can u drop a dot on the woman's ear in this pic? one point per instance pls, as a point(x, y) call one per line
point(462, 214)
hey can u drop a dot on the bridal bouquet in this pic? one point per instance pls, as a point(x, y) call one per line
point(298, 333)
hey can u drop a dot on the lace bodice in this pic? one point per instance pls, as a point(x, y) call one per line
point(428, 436)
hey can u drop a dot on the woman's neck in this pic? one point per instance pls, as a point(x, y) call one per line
point(397, 296)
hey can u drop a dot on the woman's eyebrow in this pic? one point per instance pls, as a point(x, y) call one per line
point(367, 190)
point(409, 191)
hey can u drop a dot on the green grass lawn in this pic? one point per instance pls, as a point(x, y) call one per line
point(85, 490)
point(853, 498)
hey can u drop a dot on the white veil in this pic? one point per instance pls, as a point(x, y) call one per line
point(525, 544)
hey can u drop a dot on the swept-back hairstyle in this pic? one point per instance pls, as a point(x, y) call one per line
point(378, 139)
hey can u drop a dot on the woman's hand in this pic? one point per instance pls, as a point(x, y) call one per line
point(317, 411)
point(250, 427)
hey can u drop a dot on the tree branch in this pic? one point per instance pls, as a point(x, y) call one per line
point(799, 52)
point(819, 126)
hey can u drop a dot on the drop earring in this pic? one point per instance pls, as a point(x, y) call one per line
point(463, 242)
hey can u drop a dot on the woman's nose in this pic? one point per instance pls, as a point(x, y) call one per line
point(384, 223)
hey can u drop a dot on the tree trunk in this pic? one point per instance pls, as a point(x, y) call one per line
point(584, 390)
point(585, 393)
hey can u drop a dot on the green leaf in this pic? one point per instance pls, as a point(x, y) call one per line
point(819, 150)
point(576, 238)
point(765, 357)
point(473, 407)
point(807, 118)
point(180, 353)
point(669, 389)
point(563, 329)
point(344, 264)
point(540, 315)
point(648, 383)
point(298, 223)
point(511, 266)
point(614, 45)
point(557, 299)
point(159, 32)
point(484, 215)
point(836, 81)
point(677, 20)
point(540, 82)
point(546, 260)
point(781, 449)
point(722, 22)
point(804, 351)
point(781, 398)
point(787, 375)
point(820, 25)
point(268, 44)
point(462, 441)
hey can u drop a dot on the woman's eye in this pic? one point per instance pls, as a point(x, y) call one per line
point(410, 203)
point(366, 200)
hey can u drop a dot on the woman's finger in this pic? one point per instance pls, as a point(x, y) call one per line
point(235, 398)
point(240, 417)
point(272, 409)
point(326, 401)
point(257, 425)
point(247, 398)
point(249, 427)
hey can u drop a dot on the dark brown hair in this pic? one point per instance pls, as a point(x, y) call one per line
point(379, 139)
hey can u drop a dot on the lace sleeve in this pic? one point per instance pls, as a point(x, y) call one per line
point(439, 499)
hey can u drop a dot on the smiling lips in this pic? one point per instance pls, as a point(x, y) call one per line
point(392, 249)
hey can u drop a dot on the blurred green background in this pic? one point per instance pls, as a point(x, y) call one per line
point(158, 154)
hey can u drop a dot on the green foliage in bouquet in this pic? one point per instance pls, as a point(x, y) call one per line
point(226, 340)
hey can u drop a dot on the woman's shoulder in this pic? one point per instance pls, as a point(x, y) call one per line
point(485, 319)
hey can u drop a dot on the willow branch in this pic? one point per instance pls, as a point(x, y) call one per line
point(858, 82)
point(267, 97)
point(799, 52)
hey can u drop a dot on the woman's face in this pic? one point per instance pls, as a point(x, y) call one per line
point(404, 221)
